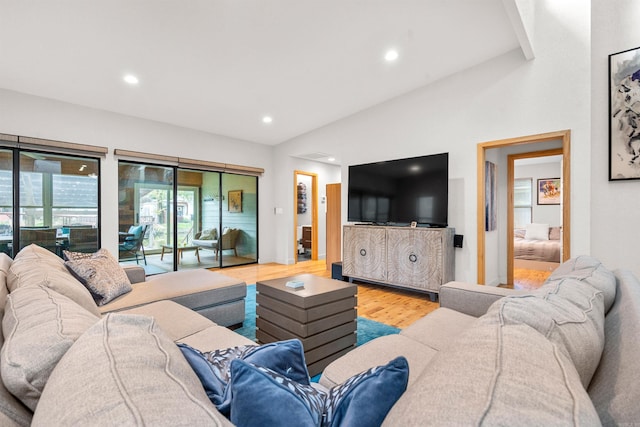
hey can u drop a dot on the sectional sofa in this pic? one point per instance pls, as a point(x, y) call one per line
point(563, 355)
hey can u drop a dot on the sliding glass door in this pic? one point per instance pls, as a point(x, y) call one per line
point(58, 204)
point(211, 222)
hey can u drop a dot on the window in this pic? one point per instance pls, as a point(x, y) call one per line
point(522, 201)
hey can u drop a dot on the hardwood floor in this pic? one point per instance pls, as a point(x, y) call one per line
point(391, 306)
point(529, 279)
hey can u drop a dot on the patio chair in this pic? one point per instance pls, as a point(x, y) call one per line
point(131, 247)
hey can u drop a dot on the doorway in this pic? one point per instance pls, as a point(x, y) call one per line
point(305, 215)
point(534, 205)
point(565, 139)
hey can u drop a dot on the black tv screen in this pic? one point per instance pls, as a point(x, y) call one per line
point(398, 192)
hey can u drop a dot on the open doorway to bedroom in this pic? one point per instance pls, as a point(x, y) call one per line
point(534, 217)
point(492, 250)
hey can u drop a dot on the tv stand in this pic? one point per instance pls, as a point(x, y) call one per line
point(421, 258)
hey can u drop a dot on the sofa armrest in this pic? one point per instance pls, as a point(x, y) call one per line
point(473, 300)
point(135, 273)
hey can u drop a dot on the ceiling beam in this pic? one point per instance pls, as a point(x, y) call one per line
point(517, 22)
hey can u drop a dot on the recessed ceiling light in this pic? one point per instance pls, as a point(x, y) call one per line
point(391, 55)
point(267, 119)
point(332, 159)
point(131, 79)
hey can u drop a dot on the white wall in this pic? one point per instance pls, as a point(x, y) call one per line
point(283, 201)
point(615, 205)
point(502, 98)
point(32, 116)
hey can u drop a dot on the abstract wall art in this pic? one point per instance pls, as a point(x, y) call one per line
point(624, 115)
point(490, 197)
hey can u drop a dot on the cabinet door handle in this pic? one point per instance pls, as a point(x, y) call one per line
point(413, 258)
point(363, 252)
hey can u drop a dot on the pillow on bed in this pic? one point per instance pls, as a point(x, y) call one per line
point(537, 232)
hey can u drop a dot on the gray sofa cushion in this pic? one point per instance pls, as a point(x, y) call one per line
point(616, 383)
point(12, 411)
point(569, 313)
point(592, 271)
point(194, 289)
point(215, 338)
point(495, 374)
point(138, 377)
point(176, 321)
point(376, 353)
point(34, 265)
point(39, 326)
point(439, 328)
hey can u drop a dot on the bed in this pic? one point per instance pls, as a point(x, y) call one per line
point(529, 243)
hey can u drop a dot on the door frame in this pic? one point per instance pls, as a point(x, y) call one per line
point(511, 158)
point(314, 214)
point(565, 137)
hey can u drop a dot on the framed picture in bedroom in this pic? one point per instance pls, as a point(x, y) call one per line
point(549, 191)
point(235, 201)
point(624, 115)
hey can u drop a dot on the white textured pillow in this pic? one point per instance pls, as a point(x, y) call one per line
point(102, 275)
point(537, 232)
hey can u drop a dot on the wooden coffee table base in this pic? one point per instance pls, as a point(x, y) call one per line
point(169, 249)
point(322, 315)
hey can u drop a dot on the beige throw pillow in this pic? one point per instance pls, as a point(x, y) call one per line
point(209, 234)
point(39, 325)
point(125, 371)
point(102, 275)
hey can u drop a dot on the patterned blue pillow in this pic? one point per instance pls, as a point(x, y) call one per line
point(263, 397)
point(366, 399)
point(213, 367)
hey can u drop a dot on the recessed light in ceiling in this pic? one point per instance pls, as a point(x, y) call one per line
point(331, 159)
point(391, 55)
point(131, 79)
point(267, 119)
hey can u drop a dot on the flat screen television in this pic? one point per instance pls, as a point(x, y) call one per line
point(398, 192)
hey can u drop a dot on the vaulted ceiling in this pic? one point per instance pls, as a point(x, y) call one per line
point(220, 66)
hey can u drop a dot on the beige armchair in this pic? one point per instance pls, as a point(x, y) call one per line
point(227, 241)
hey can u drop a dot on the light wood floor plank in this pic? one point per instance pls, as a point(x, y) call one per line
point(383, 304)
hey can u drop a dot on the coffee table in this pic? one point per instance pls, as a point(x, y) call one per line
point(169, 249)
point(322, 315)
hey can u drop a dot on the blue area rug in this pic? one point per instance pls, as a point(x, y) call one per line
point(367, 329)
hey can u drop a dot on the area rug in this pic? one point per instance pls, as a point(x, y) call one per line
point(367, 329)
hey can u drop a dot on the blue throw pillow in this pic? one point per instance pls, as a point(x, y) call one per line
point(363, 400)
point(366, 399)
point(262, 397)
point(213, 367)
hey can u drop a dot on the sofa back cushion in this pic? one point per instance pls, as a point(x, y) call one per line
point(569, 313)
point(496, 374)
point(615, 387)
point(34, 265)
point(591, 271)
point(138, 376)
point(39, 326)
point(12, 412)
point(5, 264)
